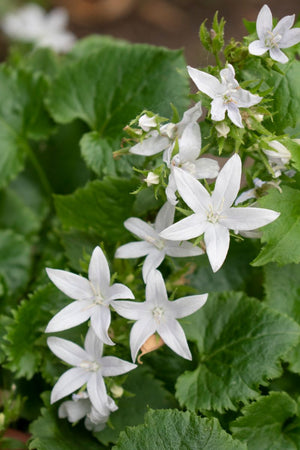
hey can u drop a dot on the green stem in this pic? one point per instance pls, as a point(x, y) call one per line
point(39, 170)
point(218, 61)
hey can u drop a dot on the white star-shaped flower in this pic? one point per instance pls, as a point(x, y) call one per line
point(213, 214)
point(32, 24)
point(80, 406)
point(152, 245)
point(278, 158)
point(273, 40)
point(93, 297)
point(158, 314)
point(163, 140)
point(227, 95)
point(187, 159)
point(89, 368)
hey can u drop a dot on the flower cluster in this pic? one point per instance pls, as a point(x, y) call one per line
point(211, 214)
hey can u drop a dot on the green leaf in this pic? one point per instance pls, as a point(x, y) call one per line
point(100, 207)
point(119, 82)
point(176, 430)
point(266, 423)
point(22, 116)
point(281, 236)
point(282, 288)
point(51, 433)
point(240, 342)
point(16, 215)
point(97, 153)
point(26, 334)
point(148, 392)
point(91, 44)
point(15, 261)
point(294, 148)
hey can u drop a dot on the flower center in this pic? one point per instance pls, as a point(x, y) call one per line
point(91, 366)
point(272, 40)
point(158, 313)
point(158, 243)
point(188, 166)
point(213, 216)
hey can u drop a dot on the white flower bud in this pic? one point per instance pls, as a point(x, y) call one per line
point(146, 122)
point(117, 391)
point(152, 178)
point(222, 129)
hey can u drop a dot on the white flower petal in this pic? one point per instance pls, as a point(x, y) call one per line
point(190, 115)
point(99, 274)
point(246, 195)
point(74, 410)
point(119, 290)
point(171, 189)
point(93, 345)
point(290, 38)
point(187, 228)
point(216, 239)
point(140, 332)
point(182, 249)
point(228, 76)
point(205, 82)
point(112, 366)
point(132, 310)
point(192, 191)
point(257, 48)
point(100, 321)
point(206, 168)
point(97, 392)
point(278, 55)
point(150, 146)
point(190, 143)
point(248, 218)
point(74, 286)
point(165, 217)
point(70, 316)
point(69, 382)
point(227, 184)
point(152, 261)
point(218, 109)
point(186, 306)
point(234, 115)
point(134, 250)
point(264, 22)
point(66, 350)
point(156, 293)
point(244, 99)
point(173, 336)
point(284, 25)
point(140, 228)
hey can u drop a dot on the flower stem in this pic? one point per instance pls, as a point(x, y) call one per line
point(39, 170)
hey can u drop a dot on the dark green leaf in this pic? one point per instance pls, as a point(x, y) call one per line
point(240, 342)
point(177, 430)
point(281, 237)
point(264, 423)
point(100, 207)
point(97, 153)
point(119, 82)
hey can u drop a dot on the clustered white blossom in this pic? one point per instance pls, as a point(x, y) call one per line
point(211, 217)
point(32, 24)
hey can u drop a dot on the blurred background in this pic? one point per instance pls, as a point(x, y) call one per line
point(171, 23)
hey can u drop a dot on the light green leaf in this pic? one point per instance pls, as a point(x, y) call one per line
point(265, 424)
point(177, 430)
point(281, 237)
point(97, 153)
point(16, 215)
point(147, 392)
point(282, 288)
point(51, 433)
point(22, 116)
point(240, 342)
point(101, 207)
point(119, 82)
point(26, 334)
point(15, 260)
